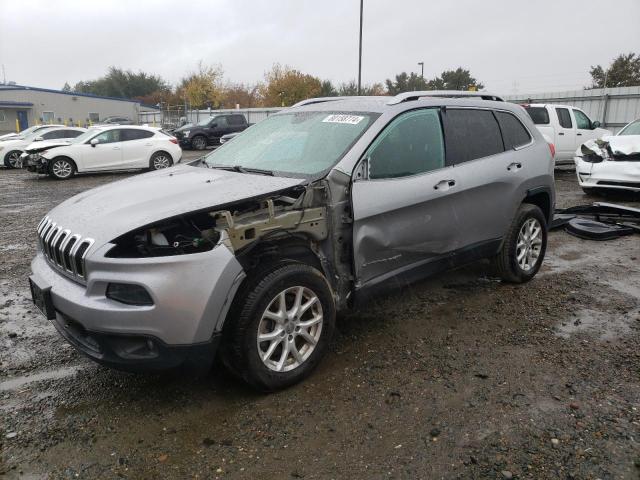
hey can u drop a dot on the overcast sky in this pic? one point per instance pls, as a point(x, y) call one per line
point(510, 45)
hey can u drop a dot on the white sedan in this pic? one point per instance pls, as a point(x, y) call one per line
point(11, 149)
point(612, 162)
point(112, 148)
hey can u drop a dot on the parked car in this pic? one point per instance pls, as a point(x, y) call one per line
point(26, 131)
point(116, 120)
point(611, 163)
point(566, 126)
point(12, 149)
point(30, 158)
point(208, 131)
point(252, 250)
point(228, 136)
point(102, 149)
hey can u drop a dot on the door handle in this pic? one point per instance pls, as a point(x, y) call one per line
point(560, 133)
point(116, 148)
point(444, 183)
point(579, 134)
point(514, 166)
point(148, 144)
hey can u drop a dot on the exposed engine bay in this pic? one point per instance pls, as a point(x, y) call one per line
point(616, 148)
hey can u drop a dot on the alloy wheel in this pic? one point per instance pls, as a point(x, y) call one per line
point(529, 244)
point(13, 158)
point(199, 143)
point(161, 161)
point(290, 329)
point(62, 168)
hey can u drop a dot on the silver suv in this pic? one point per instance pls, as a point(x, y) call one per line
point(251, 251)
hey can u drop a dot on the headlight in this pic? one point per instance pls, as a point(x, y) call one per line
point(183, 236)
point(186, 133)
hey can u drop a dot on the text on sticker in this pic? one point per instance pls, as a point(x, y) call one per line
point(350, 119)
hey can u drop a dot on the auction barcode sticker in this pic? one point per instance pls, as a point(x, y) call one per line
point(350, 119)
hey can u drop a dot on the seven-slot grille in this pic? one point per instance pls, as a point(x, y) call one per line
point(63, 250)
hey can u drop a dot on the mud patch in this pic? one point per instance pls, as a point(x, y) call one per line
point(605, 326)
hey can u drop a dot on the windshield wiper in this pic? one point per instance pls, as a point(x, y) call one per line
point(241, 169)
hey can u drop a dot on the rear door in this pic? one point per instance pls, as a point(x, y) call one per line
point(221, 128)
point(488, 174)
point(237, 123)
point(137, 147)
point(106, 154)
point(402, 209)
point(565, 140)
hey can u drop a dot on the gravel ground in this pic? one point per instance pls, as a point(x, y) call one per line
point(460, 376)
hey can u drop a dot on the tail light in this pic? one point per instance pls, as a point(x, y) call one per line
point(174, 140)
point(552, 147)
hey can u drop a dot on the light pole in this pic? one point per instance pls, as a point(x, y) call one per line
point(360, 52)
point(422, 66)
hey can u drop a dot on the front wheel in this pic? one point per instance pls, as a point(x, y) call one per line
point(11, 159)
point(281, 326)
point(199, 142)
point(524, 246)
point(160, 160)
point(61, 168)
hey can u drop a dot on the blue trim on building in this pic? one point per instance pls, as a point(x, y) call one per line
point(73, 94)
point(11, 103)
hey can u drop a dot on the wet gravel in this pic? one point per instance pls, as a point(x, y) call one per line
point(456, 377)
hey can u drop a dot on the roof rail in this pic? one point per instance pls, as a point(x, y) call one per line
point(311, 101)
point(411, 96)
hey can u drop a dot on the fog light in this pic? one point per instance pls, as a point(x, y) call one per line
point(129, 294)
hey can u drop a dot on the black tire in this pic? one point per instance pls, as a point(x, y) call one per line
point(199, 142)
point(506, 262)
point(590, 191)
point(11, 158)
point(62, 168)
point(156, 162)
point(240, 348)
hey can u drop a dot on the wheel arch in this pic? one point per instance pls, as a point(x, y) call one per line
point(73, 162)
point(161, 151)
point(542, 198)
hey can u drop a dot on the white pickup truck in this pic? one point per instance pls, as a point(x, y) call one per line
point(566, 126)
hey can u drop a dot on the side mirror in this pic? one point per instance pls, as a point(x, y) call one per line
point(38, 139)
point(94, 142)
point(595, 124)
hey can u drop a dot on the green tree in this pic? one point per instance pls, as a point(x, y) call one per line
point(350, 88)
point(623, 72)
point(284, 86)
point(405, 82)
point(327, 89)
point(458, 79)
point(123, 83)
point(66, 87)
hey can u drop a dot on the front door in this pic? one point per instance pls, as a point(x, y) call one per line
point(584, 128)
point(23, 121)
point(403, 216)
point(106, 154)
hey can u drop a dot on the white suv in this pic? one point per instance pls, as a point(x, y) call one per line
point(111, 148)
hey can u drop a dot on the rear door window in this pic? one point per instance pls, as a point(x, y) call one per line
point(470, 134)
point(135, 134)
point(564, 117)
point(514, 133)
point(539, 115)
point(235, 120)
point(411, 144)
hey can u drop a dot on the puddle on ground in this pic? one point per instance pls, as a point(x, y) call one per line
point(18, 382)
point(603, 325)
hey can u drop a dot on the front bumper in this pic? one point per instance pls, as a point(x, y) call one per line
point(609, 174)
point(191, 296)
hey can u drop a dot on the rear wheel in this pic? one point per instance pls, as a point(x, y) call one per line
point(11, 159)
point(280, 327)
point(61, 168)
point(160, 160)
point(524, 246)
point(199, 142)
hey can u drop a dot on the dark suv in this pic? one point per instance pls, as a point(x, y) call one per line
point(208, 131)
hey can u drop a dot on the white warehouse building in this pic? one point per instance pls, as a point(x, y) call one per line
point(22, 107)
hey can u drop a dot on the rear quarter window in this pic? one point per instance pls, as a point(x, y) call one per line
point(470, 134)
point(514, 132)
point(539, 115)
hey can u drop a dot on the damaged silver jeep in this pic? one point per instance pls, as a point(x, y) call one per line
point(250, 252)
